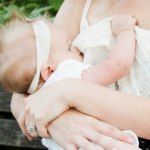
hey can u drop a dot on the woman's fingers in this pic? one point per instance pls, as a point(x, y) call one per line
point(83, 143)
point(108, 142)
point(100, 139)
point(111, 131)
point(31, 127)
point(35, 123)
point(21, 122)
point(71, 147)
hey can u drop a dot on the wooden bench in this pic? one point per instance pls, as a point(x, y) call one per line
point(10, 133)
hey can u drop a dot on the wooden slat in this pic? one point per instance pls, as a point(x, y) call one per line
point(11, 135)
point(4, 100)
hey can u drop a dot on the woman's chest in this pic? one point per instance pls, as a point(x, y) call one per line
point(139, 9)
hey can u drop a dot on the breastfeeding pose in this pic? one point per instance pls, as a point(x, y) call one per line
point(115, 108)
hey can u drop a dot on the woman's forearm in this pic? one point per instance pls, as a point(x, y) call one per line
point(120, 110)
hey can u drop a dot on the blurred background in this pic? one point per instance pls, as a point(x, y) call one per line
point(30, 8)
point(11, 137)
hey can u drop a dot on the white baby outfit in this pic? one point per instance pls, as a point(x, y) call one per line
point(95, 41)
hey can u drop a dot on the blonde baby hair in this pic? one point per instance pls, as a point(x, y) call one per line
point(18, 53)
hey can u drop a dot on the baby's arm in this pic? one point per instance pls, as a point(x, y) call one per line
point(120, 59)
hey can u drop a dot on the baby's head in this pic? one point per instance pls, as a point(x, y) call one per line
point(21, 41)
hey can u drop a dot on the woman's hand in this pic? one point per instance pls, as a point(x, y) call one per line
point(66, 124)
point(91, 99)
point(74, 130)
point(45, 105)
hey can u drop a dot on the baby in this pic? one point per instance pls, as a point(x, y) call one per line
point(34, 54)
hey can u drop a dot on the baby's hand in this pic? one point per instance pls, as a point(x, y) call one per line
point(121, 23)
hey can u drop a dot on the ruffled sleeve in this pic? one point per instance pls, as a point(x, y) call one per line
point(97, 35)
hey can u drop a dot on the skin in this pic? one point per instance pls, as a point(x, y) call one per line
point(99, 107)
point(114, 67)
point(140, 11)
point(127, 46)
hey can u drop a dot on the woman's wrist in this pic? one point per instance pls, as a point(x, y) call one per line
point(17, 104)
point(78, 96)
point(69, 90)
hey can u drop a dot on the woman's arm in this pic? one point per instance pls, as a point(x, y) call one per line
point(67, 130)
point(69, 16)
point(63, 128)
point(118, 109)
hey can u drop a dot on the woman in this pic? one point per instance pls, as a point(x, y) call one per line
point(105, 98)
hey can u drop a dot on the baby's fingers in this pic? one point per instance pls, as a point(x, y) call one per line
point(113, 132)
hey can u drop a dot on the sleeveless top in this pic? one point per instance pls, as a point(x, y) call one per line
point(95, 41)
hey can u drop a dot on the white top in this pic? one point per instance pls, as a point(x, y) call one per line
point(95, 41)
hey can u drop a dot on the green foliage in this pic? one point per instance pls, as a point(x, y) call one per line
point(30, 8)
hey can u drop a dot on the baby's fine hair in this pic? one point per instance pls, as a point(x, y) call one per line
point(18, 54)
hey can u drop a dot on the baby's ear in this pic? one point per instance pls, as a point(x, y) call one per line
point(46, 71)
